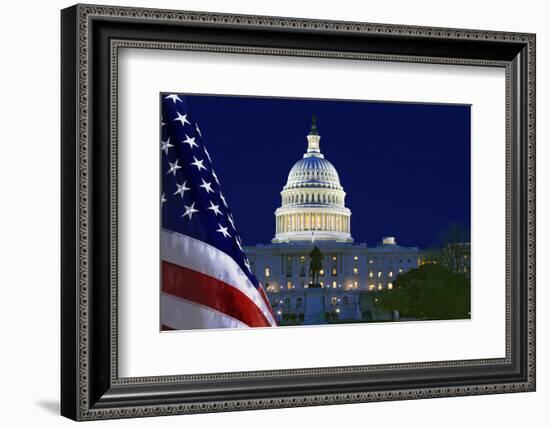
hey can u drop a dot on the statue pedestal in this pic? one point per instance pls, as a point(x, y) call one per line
point(314, 309)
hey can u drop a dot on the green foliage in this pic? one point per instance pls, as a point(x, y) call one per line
point(291, 319)
point(331, 316)
point(429, 292)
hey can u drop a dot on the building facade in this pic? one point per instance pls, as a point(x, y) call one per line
point(313, 214)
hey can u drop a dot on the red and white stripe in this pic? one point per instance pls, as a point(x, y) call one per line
point(203, 287)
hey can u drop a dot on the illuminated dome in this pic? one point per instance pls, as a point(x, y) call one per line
point(312, 205)
point(313, 170)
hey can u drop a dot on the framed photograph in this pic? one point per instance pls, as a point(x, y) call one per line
point(263, 212)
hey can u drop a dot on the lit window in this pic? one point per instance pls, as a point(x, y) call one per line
point(334, 284)
point(267, 272)
point(370, 260)
point(371, 287)
point(289, 285)
point(379, 286)
point(390, 274)
point(355, 271)
point(302, 258)
point(371, 274)
point(334, 271)
point(355, 258)
point(321, 272)
point(355, 284)
point(333, 257)
point(390, 286)
point(322, 284)
point(379, 274)
point(400, 270)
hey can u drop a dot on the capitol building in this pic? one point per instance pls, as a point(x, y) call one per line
point(313, 213)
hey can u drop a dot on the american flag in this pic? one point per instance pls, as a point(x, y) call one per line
point(207, 281)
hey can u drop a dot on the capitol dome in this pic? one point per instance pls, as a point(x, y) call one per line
point(312, 206)
point(313, 170)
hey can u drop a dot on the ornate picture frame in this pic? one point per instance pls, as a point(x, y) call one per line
point(91, 37)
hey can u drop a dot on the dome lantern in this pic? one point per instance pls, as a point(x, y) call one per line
point(313, 138)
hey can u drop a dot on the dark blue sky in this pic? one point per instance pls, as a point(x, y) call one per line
point(405, 167)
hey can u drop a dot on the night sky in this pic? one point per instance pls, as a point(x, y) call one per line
point(405, 167)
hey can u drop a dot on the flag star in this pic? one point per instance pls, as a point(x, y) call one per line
point(162, 199)
point(173, 167)
point(189, 210)
point(181, 188)
point(207, 153)
point(182, 119)
point(223, 199)
point(198, 163)
point(247, 264)
point(230, 218)
point(215, 208)
point(162, 123)
point(223, 230)
point(238, 240)
point(175, 98)
point(215, 177)
point(207, 186)
point(165, 146)
point(189, 141)
point(198, 130)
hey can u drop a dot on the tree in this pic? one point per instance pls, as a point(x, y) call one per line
point(432, 291)
point(454, 256)
point(315, 266)
point(454, 232)
point(452, 249)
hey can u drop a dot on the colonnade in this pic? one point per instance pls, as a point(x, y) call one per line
point(296, 222)
point(313, 197)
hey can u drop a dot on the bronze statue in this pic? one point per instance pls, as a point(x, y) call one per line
point(315, 266)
